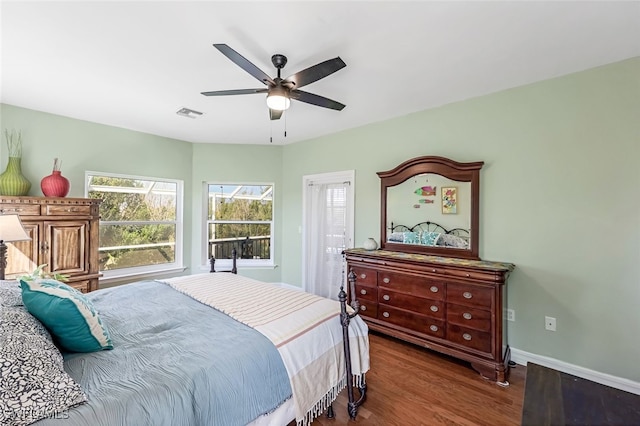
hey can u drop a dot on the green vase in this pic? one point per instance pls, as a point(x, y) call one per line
point(12, 182)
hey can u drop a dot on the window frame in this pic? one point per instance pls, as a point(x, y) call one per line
point(147, 270)
point(226, 264)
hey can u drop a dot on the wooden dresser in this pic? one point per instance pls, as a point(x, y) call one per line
point(454, 306)
point(64, 235)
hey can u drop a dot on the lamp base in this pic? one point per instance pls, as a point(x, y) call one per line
point(3, 258)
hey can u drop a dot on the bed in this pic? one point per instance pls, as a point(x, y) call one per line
point(205, 349)
point(428, 234)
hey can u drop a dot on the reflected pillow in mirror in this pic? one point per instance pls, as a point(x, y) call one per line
point(449, 240)
point(429, 238)
point(410, 238)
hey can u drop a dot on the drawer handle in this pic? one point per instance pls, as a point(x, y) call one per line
point(386, 297)
point(466, 336)
point(466, 316)
point(385, 314)
point(363, 276)
point(434, 289)
point(433, 327)
point(467, 295)
point(363, 291)
point(434, 270)
point(434, 308)
point(363, 308)
point(386, 280)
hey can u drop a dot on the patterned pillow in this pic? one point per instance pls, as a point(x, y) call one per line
point(449, 240)
point(10, 293)
point(410, 238)
point(34, 384)
point(67, 314)
point(429, 238)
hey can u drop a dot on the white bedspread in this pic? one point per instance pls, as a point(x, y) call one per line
point(304, 327)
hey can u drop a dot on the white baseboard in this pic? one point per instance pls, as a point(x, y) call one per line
point(522, 358)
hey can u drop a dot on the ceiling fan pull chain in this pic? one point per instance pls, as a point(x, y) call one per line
point(285, 124)
point(271, 131)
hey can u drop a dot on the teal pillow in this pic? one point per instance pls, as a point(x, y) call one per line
point(68, 315)
point(410, 238)
point(429, 238)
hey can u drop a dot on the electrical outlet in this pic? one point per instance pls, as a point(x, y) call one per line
point(511, 315)
point(550, 323)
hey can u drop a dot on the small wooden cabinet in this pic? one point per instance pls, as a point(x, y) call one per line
point(64, 235)
point(454, 306)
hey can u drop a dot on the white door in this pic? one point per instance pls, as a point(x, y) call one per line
point(327, 230)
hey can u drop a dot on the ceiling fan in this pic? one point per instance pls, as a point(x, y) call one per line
point(280, 91)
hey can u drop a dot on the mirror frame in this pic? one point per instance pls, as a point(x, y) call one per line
point(462, 172)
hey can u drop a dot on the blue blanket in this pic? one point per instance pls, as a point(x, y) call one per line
point(175, 362)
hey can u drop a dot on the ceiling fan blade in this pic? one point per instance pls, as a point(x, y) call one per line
point(235, 92)
point(275, 114)
point(316, 72)
point(244, 63)
point(312, 99)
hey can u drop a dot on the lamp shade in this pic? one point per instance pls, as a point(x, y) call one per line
point(278, 99)
point(11, 228)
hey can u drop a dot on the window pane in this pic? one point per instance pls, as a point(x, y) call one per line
point(125, 246)
point(240, 202)
point(126, 199)
point(251, 241)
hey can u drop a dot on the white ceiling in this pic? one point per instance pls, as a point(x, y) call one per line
point(134, 64)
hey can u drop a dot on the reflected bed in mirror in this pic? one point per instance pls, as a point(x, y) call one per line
point(430, 205)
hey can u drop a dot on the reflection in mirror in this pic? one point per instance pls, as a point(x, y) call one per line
point(430, 205)
point(430, 198)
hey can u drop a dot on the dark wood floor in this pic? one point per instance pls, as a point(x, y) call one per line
point(556, 398)
point(409, 385)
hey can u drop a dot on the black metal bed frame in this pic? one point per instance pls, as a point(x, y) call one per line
point(432, 227)
point(345, 319)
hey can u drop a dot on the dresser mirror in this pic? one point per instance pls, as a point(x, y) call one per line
point(430, 205)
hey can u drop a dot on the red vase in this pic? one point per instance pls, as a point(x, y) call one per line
point(55, 185)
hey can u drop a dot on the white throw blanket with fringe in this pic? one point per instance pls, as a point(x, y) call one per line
point(304, 327)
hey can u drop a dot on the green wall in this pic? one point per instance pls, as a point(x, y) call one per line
point(82, 146)
point(559, 198)
point(559, 194)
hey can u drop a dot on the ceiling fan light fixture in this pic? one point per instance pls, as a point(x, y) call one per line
point(278, 99)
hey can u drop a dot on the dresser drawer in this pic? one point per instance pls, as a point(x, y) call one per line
point(411, 320)
point(470, 295)
point(466, 316)
point(470, 338)
point(365, 276)
point(411, 284)
point(475, 275)
point(368, 309)
point(20, 209)
point(66, 209)
point(364, 292)
point(428, 307)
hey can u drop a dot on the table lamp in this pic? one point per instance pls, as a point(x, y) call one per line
point(10, 230)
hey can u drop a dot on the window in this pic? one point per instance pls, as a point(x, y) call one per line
point(240, 217)
point(140, 223)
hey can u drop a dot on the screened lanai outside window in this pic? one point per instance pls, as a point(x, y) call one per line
point(240, 216)
point(140, 223)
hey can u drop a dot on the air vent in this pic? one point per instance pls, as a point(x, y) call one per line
point(186, 112)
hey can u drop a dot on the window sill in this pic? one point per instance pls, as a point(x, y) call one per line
point(135, 276)
point(225, 267)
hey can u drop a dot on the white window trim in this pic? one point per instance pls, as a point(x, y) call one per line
point(151, 270)
point(226, 264)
